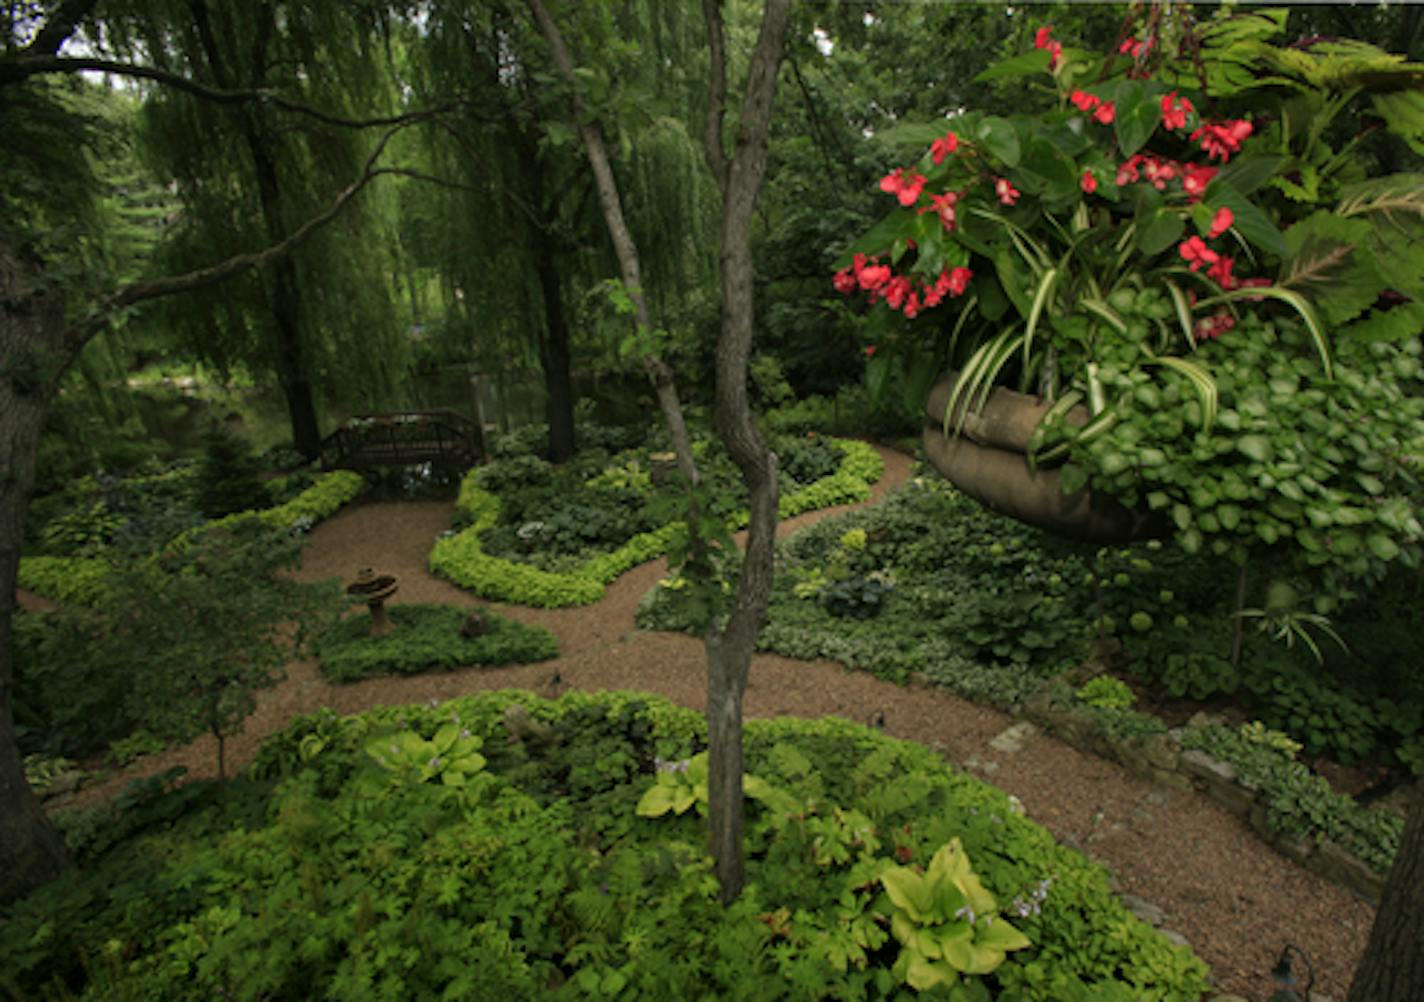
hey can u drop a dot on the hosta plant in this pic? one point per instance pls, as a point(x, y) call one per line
point(947, 924)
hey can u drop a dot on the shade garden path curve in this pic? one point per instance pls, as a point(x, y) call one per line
point(1234, 898)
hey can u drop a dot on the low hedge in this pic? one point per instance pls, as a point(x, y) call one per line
point(66, 580)
point(461, 559)
point(319, 501)
point(428, 638)
point(81, 580)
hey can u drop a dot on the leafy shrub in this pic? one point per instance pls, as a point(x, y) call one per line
point(533, 876)
point(427, 638)
point(807, 459)
point(80, 532)
point(1106, 693)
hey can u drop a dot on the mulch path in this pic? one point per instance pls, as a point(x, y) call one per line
point(1235, 899)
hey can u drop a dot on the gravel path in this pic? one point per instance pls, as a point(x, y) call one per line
point(1235, 899)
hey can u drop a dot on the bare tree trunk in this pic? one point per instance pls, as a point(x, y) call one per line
point(623, 246)
point(729, 652)
point(34, 354)
point(1392, 969)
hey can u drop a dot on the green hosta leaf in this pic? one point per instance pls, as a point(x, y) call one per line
point(1257, 447)
point(923, 974)
point(908, 891)
point(657, 801)
point(1000, 935)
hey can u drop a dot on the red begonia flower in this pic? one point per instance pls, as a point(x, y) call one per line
point(1221, 222)
point(943, 147)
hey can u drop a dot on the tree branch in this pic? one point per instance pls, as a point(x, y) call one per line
point(712, 145)
point(20, 68)
point(60, 25)
point(140, 291)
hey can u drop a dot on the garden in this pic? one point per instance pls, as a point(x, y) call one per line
point(1010, 599)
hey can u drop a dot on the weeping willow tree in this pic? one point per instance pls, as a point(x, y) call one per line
point(517, 243)
point(322, 321)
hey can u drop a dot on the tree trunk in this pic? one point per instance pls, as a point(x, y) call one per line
point(1392, 969)
point(623, 246)
point(729, 654)
point(32, 357)
point(554, 336)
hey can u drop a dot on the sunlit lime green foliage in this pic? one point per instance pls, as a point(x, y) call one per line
point(491, 869)
point(67, 580)
point(428, 638)
point(462, 558)
point(1106, 693)
point(323, 499)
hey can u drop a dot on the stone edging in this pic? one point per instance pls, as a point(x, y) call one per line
point(1160, 758)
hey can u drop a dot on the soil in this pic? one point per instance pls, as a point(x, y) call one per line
point(1236, 900)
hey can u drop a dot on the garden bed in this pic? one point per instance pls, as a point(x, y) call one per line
point(622, 481)
point(428, 638)
point(929, 586)
point(524, 840)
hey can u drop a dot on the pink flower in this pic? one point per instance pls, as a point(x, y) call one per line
point(1195, 251)
point(870, 276)
point(912, 306)
point(1007, 193)
point(1134, 47)
point(958, 281)
point(895, 291)
point(907, 190)
point(1175, 111)
point(1042, 39)
point(942, 148)
point(1221, 222)
point(1088, 183)
point(845, 282)
point(943, 205)
point(1084, 101)
point(1105, 112)
point(1196, 179)
point(1211, 328)
point(869, 351)
point(1221, 139)
point(1127, 172)
point(1220, 273)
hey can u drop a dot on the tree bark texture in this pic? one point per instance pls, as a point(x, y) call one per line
point(623, 245)
point(729, 651)
point(1392, 969)
point(33, 354)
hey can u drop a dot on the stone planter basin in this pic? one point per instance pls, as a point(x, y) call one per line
point(988, 461)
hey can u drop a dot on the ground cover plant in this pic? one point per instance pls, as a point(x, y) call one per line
point(538, 535)
point(419, 852)
point(930, 582)
point(428, 638)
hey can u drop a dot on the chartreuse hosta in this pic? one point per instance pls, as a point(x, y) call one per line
point(945, 920)
point(947, 924)
point(452, 756)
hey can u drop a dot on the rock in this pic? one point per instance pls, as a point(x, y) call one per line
point(1014, 738)
point(1333, 862)
point(1145, 910)
point(1158, 751)
point(1175, 938)
point(1220, 781)
point(536, 735)
point(1203, 719)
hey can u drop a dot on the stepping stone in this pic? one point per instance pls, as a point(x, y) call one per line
point(1014, 739)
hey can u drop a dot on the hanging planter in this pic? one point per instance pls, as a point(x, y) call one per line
point(988, 460)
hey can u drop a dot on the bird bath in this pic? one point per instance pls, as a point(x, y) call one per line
point(374, 591)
